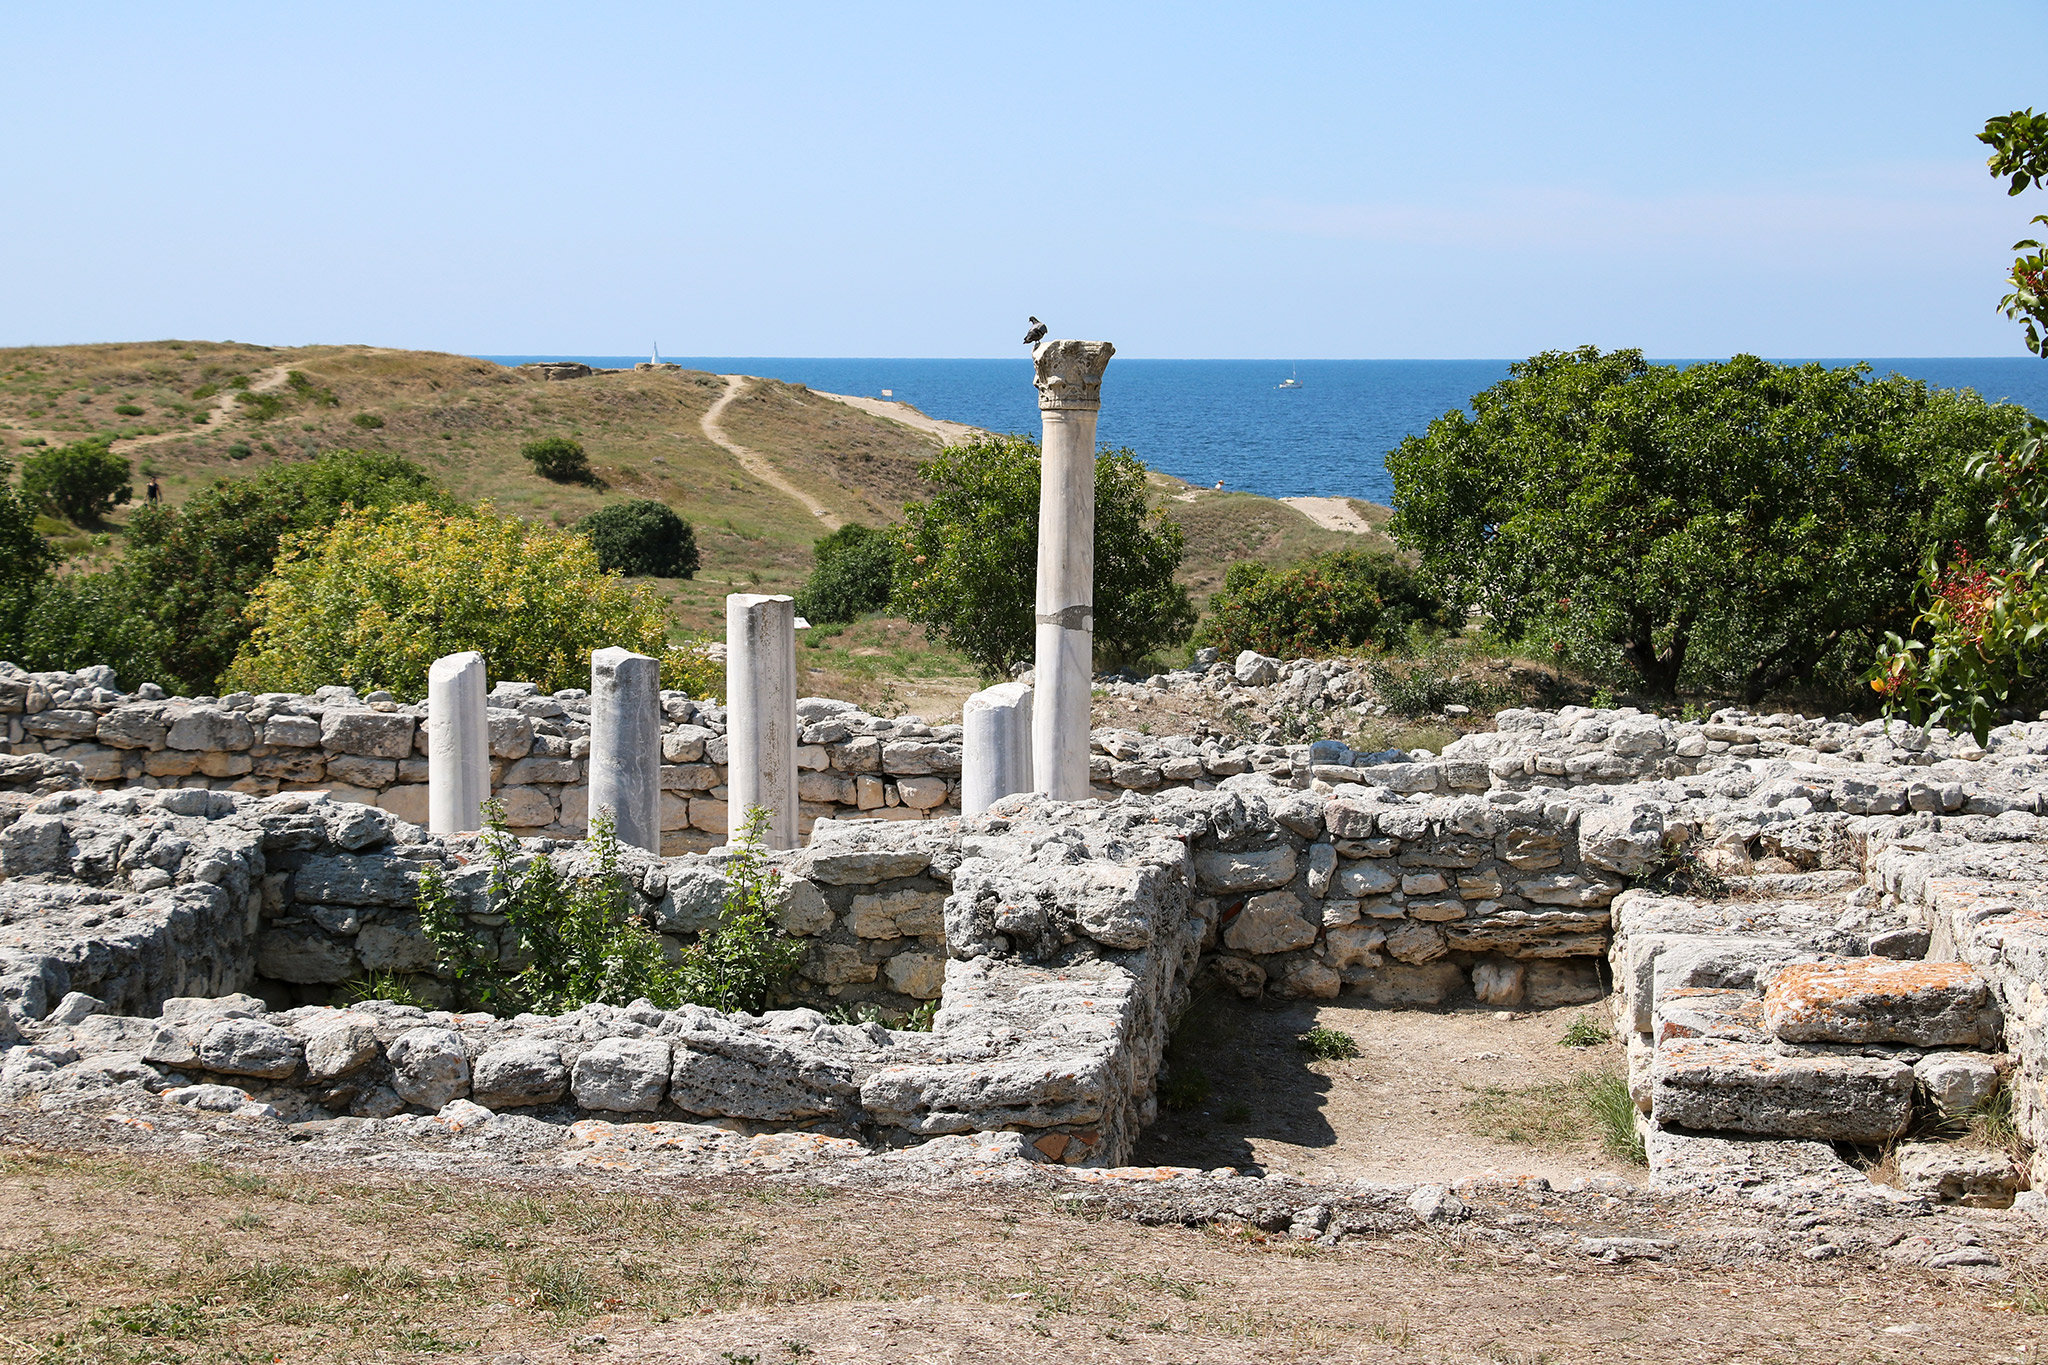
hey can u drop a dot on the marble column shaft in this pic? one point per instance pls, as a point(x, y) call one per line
point(625, 743)
point(760, 713)
point(458, 744)
point(995, 761)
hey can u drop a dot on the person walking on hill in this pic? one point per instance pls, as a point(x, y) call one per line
point(156, 492)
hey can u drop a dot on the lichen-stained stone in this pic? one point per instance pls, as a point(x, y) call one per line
point(292, 732)
point(624, 1075)
point(371, 734)
point(1251, 870)
point(395, 948)
point(340, 1049)
point(429, 1066)
point(32, 844)
point(1270, 923)
point(525, 1071)
point(837, 964)
point(918, 975)
point(249, 1047)
point(209, 727)
point(721, 1070)
point(511, 734)
point(1714, 1084)
point(898, 914)
point(1704, 1012)
point(1881, 1000)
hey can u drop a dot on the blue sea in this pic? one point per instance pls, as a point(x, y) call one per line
point(1210, 420)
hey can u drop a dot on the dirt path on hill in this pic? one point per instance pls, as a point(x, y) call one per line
point(949, 433)
point(224, 409)
point(1335, 514)
point(757, 464)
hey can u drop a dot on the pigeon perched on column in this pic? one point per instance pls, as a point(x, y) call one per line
point(1036, 334)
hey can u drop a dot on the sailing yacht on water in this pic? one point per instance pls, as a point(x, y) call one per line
point(1293, 379)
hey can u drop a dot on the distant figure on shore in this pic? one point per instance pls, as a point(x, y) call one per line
point(156, 493)
point(1036, 334)
point(1219, 485)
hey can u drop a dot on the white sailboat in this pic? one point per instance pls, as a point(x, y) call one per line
point(1293, 379)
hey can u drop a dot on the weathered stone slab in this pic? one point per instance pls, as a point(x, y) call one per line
point(1714, 1084)
point(1251, 870)
point(1881, 1000)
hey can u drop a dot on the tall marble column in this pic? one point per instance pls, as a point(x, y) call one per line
point(625, 743)
point(1069, 400)
point(458, 744)
point(995, 746)
point(760, 713)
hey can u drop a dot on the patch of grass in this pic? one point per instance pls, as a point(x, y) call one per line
point(1327, 1044)
point(1427, 684)
point(1584, 1031)
point(1560, 1113)
point(378, 986)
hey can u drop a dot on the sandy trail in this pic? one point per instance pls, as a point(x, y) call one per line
point(949, 433)
point(1336, 514)
point(223, 409)
point(757, 464)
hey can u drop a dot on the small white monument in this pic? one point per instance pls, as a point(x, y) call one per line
point(760, 713)
point(458, 744)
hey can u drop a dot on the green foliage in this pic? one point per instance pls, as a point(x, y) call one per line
point(240, 450)
point(853, 574)
point(1341, 600)
point(739, 965)
point(968, 570)
point(368, 421)
point(2019, 149)
point(577, 938)
point(1738, 524)
point(194, 568)
point(1327, 1044)
point(127, 410)
point(81, 482)
point(89, 619)
point(1425, 685)
point(25, 563)
point(379, 986)
point(260, 407)
point(1613, 1111)
point(205, 391)
point(377, 597)
point(1184, 1088)
point(641, 539)
point(1583, 1031)
point(558, 458)
point(305, 388)
point(688, 667)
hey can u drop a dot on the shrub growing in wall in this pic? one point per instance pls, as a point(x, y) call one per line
point(854, 573)
point(641, 539)
point(376, 598)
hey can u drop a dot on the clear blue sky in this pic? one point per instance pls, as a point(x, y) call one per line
point(1297, 180)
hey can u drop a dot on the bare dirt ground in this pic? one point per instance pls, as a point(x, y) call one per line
point(112, 1256)
point(948, 433)
point(1337, 514)
point(757, 464)
point(1397, 1112)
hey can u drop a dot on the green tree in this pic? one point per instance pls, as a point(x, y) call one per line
point(641, 539)
point(1342, 600)
point(558, 458)
point(81, 482)
point(83, 619)
point(374, 599)
point(194, 568)
point(1742, 524)
point(853, 574)
point(968, 569)
point(2019, 149)
point(26, 559)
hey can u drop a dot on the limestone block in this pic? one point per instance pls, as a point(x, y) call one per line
point(63, 724)
point(356, 879)
point(838, 865)
point(922, 793)
point(1354, 945)
point(1254, 669)
point(97, 763)
point(1322, 868)
point(1423, 883)
point(684, 743)
point(429, 1066)
point(908, 757)
point(1399, 983)
point(1339, 912)
point(1367, 879)
point(1532, 850)
point(722, 1071)
point(522, 1072)
point(205, 728)
point(249, 1047)
point(694, 899)
point(373, 773)
point(292, 732)
point(1707, 1012)
point(133, 727)
point(1624, 839)
point(391, 948)
point(511, 734)
point(368, 734)
point(689, 777)
point(218, 764)
point(526, 807)
point(1181, 768)
point(1480, 886)
point(150, 1039)
point(1498, 983)
point(407, 801)
point(675, 810)
point(303, 959)
point(530, 770)
point(340, 1049)
point(1308, 979)
point(802, 910)
point(170, 763)
point(1881, 1000)
point(1245, 977)
point(1565, 888)
point(1416, 943)
point(812, 758)
point(862, 755)
point(1714, 1084)
point(707, 815)
point(289, 765)
point(868, 792)
point(1251, 870)
point(1270, 923)
point(1437, 911)
point(1973, 1176)
point(837, 964)
point(918, 975)
point(1957, 1082)
point(622, 1075)
point(899, 914)
point(830, 788)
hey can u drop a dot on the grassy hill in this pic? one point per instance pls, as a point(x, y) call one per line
point(190, 412)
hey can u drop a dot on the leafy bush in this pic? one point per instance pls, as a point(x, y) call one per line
point(308, 390)
point(853, 572)
point(25, 563)
point(1342, 600)
point(1736, 525)
point(1584, 1031)
point(741, 963)
point(576, 935)
point(1426, 685)
point(194, 568)
point(376, 598)
point(968, 571)
point(368, 421)
point(84, 619)
point(558, 458)
point(689, 668)
point(239, 450)
point(127, 410)
point(81, 482)
point(1327, 1044)
point(205, 391)
point(260, 407)
point(641, 539)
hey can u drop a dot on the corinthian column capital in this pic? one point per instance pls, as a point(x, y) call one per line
point(1070, 373)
